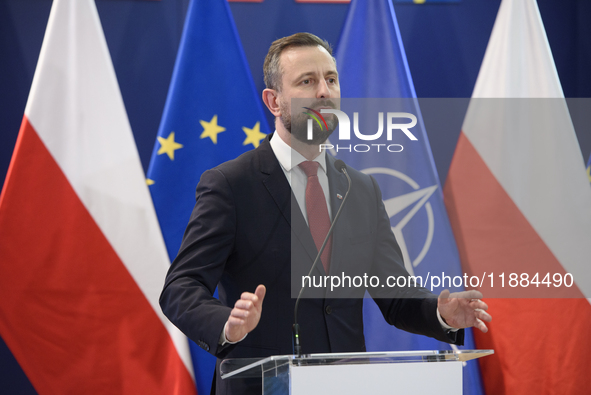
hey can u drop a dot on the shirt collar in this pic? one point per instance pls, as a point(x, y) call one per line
point(289, 158)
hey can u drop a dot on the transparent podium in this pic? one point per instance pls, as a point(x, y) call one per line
point(376, 373)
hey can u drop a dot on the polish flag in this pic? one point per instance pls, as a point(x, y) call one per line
point(519, 202)
point(82, 260)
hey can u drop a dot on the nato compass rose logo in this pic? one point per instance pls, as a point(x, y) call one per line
point(413, 202)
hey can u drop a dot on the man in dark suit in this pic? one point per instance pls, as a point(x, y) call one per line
point(258, 223)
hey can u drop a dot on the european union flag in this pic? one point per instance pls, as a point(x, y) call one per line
point(372, 64)
point(212, 114)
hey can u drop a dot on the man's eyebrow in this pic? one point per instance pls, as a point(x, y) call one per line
point(312, 73)
point(305, 74)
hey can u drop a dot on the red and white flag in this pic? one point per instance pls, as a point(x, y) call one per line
point(82, 260)
point(519, 202)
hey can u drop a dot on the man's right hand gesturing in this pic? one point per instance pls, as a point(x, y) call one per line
point(245, 315)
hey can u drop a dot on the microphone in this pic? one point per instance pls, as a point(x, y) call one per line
point(342, 168)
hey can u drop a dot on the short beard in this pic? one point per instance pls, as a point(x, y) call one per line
point(298, 126)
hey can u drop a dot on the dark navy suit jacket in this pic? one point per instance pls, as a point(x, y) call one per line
point(246, 229)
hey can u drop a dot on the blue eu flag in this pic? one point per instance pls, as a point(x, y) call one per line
point(372, 64)
point(212, 114)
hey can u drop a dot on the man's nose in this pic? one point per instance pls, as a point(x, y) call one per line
point(323, 90)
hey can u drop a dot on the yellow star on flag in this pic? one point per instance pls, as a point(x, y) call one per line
point(211, 129)
point(150, 182)
point(168, 145)
point(254, 135)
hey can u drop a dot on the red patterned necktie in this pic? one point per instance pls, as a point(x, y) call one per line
point(318, 218)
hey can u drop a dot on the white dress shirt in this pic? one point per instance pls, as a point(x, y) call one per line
point(289, 159)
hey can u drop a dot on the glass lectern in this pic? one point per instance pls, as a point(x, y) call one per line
point(401, 372)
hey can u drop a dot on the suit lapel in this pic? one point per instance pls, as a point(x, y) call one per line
point(337, 183)
point(301, 231)
point(278, 187)
point(338, 187)
point(274, 178)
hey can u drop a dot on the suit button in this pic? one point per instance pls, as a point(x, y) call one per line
point(328, 310)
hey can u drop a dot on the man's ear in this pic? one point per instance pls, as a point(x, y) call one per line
point(270, 98)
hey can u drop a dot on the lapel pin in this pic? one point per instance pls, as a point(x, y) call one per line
point(339, 196)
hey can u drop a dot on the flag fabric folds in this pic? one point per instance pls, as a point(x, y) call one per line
point(82, 257)
point(212, 114)
point(372, 64)
point(517, 198)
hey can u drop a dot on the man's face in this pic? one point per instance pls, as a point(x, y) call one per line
point(308, 73)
